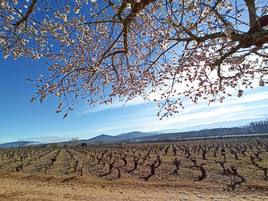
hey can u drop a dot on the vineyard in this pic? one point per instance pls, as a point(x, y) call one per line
point(233, 165)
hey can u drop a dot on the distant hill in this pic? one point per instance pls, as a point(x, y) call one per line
point(100, 139)
point(254, 128)
point(134, 135)
point(251, 129)
point(124, 137)
point(205, 133)
point(18, 144)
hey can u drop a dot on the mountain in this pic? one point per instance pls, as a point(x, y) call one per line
point(124, 137)
point(222, 124)
point(18, 144)
point(251, 129)
point(206, 133)
point(134, 135)
point(100, 139)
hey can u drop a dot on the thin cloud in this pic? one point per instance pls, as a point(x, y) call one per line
point(251, 106)
point(247, 98)
point(48, 139)
point(115, 105)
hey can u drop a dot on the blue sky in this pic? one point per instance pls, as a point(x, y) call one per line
point(22, 120)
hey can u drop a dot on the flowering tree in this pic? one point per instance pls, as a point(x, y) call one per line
point(98, 50)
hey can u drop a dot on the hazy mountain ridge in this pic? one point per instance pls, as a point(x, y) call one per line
point(18, 144)
point(260, 127)
point(124, 137)
point(254, 128)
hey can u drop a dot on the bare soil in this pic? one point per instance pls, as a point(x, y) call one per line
point(15, 187)
point(108, 173)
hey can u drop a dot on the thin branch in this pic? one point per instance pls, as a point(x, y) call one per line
point(25, 17)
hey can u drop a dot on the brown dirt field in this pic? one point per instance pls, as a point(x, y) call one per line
point(105, 173)
point(23, 187)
